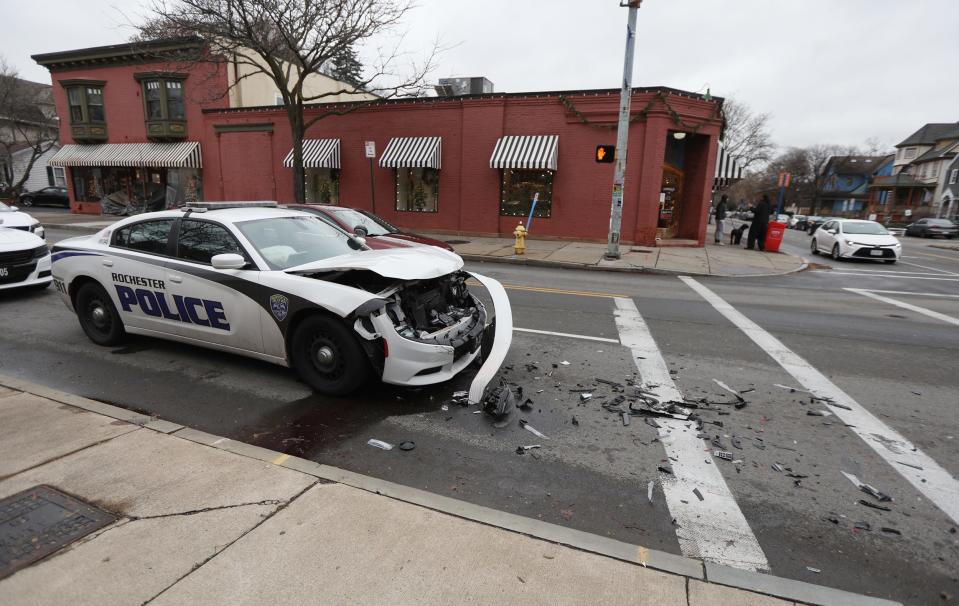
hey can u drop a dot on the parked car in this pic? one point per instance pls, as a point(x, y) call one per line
point(285, 287)
point(367, 225)
point(855, 238)
point(813, 223)
point(48, 196)
point(930, 228)
point(797, 222)
point(13, 218)
point(24, 260)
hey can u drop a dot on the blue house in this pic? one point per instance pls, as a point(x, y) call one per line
point(846, 181)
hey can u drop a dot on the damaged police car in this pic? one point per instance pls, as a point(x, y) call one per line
point(285, 287)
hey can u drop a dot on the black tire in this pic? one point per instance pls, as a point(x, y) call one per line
point(835, 252)
point(26, 201)
point(343, 367)
point(98, 316)
point(813, 247)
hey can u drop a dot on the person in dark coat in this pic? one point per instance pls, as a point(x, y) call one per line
point(757, 230)
point(720, 219)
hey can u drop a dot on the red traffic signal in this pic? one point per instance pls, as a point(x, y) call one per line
point(605, 154)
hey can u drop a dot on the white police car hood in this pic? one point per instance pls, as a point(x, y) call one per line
point(16, 219)
point(17, 239)
point(421, 263)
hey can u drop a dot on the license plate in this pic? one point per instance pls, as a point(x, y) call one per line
point(875, 253)
point(4, 272)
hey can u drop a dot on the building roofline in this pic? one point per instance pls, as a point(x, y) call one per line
point(597, 92)
point(115, 52)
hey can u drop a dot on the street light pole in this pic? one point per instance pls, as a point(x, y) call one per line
point(622, 134)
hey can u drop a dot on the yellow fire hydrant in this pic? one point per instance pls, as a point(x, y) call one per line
point(519, 247)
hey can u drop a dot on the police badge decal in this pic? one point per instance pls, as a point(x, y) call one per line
point(279, 306)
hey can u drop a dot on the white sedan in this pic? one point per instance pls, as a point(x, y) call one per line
point(24, 260)
point(285, 287)
point(12, 217)
point(856, 239)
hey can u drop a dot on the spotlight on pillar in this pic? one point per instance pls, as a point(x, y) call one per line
point(679, 135)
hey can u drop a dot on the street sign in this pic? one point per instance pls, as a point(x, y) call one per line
point(371, 149)
point(605, 154)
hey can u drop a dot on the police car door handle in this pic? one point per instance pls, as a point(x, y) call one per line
point(108, 263)
point(175, 278)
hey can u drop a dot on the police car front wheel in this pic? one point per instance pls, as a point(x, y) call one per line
point(98, 316)
point(328, 357)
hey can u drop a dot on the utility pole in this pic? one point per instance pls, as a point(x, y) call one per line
point(622, 133)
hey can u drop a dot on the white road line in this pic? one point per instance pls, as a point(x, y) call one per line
point(914, 294)
point(927, 476)
point(904, 305)
point(714, 528)
point(951, 273)
point(883, 271)
point(566, 334)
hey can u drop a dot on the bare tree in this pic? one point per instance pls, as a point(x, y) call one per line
point(289, 41)
point(23, 124)
point(747, 134)
point(874, 146)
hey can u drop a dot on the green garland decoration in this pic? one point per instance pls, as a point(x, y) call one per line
point(643, 114)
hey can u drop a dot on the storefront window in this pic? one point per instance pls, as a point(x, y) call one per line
point(129, 191)
point(417, 189)
point(519, 188)
point(322, 186)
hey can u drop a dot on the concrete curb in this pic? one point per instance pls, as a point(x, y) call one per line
point(629, 270)
point(788, 589)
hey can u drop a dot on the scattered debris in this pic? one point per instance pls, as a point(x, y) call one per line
point(758, 442)
point(527, 405)
point(521, 579)
point(669, 409)
point(698, 494)
point(732, 391)
point(649, 491)
point(811, 569)
point(380, 444)
point(873, 505)
point(888, 530)
point(585, 396)
point(863, 526)
point(652, 423)
point(461, 398)
point(445, 407)
point(791, 389)
point(665, 470)
point(818, 413)
point(778, 467)
point(836, 404)
point(722, 454)
point(910, 465)
point(718, 442)
point(523, 449)
point(737, 443)
point(575, 421)
point(612, 384)
point(500, 402)
point(525, 425)
point(625, 418)
point(866, 488)
point(564, 363)
point(408, 445)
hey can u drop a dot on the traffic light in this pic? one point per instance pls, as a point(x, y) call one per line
point(605, 154)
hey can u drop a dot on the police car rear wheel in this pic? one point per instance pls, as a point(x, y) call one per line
point(98, 317)
point(328, 357)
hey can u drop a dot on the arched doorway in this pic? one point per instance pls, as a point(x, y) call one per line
point(670, 209)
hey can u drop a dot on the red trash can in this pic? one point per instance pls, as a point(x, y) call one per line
point(774, 236)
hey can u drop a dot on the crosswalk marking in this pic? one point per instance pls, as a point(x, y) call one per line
point(714, 528)
point(927, 476)
point(904, 305)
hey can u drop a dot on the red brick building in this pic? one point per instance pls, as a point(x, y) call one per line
point(468, 164)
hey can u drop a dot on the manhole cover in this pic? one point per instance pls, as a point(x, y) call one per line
point(39, 521)
point(457, 241)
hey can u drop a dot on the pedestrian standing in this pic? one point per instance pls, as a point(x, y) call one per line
point(720, 219)
point(757, 230)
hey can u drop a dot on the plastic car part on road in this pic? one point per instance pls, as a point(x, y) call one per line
point(502, 338)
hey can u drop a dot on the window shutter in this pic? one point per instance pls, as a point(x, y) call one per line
point(50, 180)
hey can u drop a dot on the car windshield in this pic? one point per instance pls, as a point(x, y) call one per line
point(870, 229)
point(355, 218)
point(941, 222)
point(286, 242)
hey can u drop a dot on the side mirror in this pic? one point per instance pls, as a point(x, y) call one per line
point(361, 231)
point(228, 261)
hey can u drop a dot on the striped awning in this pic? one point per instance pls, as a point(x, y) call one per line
point(728, 170)
point(536, 151)
point(147, 155)
point(317, 153)
point(413, 152)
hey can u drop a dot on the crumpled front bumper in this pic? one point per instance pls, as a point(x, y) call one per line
point(414, 363)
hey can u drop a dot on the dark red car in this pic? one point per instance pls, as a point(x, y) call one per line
point(378, 232)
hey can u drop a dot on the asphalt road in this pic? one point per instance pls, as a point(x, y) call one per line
point(897, 360)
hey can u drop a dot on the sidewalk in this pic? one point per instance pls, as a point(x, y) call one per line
point(203, 519)
point(712, 260)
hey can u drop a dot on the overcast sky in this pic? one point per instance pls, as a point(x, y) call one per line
point(828, 71)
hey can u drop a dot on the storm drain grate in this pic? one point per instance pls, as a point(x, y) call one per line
point(39, 521)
